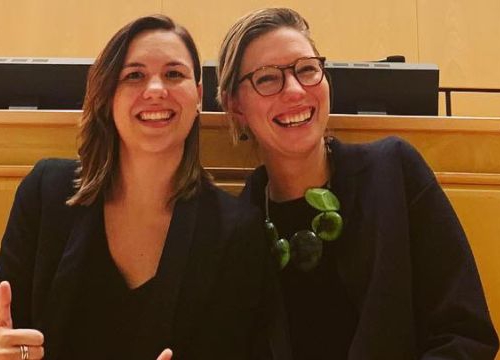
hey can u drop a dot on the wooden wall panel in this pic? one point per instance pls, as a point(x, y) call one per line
point(65, 28)
point(462, 38)
point(343, 30)
point(478, 211)
point(458, 35)
point(480, 104)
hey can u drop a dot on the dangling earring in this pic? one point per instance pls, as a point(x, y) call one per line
point(243, 135)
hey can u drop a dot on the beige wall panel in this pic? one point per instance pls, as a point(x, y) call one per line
point(343, 30)
point(461, 36)
point(65, 28)
point(476, 104)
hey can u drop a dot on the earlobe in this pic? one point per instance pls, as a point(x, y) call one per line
point(199, 90)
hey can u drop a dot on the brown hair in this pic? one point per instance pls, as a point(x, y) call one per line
point(239, 36)
point(98, 150)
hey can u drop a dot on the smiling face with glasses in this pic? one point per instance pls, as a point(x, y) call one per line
point(283, 96)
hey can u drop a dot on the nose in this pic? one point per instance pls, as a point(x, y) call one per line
point(292, 88)
point(155, 88)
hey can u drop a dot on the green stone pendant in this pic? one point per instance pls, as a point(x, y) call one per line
point(305, 250)
point(322, 199)
point(281, 250)
point(328, 225)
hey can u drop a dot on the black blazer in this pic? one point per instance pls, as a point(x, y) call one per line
point(402, 257)
point(215, 271)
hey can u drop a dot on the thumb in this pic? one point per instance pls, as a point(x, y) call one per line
point(165, 355)
point(5, 300)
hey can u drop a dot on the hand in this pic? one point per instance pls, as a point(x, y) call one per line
point(165, 355)
point(13, 342)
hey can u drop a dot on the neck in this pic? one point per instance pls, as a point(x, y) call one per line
point(290, 177)
point(145, 180)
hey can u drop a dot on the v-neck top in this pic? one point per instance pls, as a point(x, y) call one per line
point(322, 319)
point(107, 313)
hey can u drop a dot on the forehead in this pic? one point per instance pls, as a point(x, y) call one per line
point(158, 45)
point(278, 47)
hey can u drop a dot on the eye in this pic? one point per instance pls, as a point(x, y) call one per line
point(133, 75)
point(267, 76)
point(175, 75)
point(309, 68)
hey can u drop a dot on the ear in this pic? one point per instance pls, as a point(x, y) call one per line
point(199, 90)
point(234, 108)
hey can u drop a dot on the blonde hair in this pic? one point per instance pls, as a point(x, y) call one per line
point(99, 139)
point(239, 36)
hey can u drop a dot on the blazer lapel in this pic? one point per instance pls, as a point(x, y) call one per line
point(63, 290)
point(162, 312)
point(354, 253)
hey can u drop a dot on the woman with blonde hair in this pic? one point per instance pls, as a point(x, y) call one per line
point(374, 262)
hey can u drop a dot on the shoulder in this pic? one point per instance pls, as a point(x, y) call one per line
point(388, 148)
point(391, 162)
point(50, 179)
point(390, 152)
point(230, 208)
point(54, 169)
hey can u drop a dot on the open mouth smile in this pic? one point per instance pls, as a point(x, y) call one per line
point(156, 116)
point(294, 120)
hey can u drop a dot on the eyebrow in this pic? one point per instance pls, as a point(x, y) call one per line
point(138, 64)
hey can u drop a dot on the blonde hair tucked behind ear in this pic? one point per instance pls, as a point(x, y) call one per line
point(239, 36)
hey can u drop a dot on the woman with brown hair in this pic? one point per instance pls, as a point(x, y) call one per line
point(374, 262)
point(131, 250)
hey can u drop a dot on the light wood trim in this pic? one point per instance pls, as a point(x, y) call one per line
point(234, 176)
point(215, 120)
point(14, 171)
point(48, 118)
point(450, 178)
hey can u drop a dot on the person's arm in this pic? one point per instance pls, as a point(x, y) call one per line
point(19, 243)
point(450, 308)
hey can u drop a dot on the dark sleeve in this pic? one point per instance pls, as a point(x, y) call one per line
point(451, 312)
point(17, 255)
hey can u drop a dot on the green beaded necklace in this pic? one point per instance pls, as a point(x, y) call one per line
point(305, 247)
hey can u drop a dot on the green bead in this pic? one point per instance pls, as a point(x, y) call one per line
point(271, 231)
point(281, 250)
point(305, 250)
point(322, 199)
point(327, 225)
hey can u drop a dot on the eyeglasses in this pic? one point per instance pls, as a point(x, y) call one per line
point(270, 80)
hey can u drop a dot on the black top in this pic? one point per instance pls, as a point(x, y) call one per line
point(322, 318)
point(403, 259)
point(107, 313)
point(214, 279)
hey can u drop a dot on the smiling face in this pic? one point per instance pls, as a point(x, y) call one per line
point(293, 121)
point(156, 98)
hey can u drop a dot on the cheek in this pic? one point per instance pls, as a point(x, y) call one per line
point(122, 101)
point(188, 97)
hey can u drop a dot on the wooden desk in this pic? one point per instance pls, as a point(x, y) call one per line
point(463, 152)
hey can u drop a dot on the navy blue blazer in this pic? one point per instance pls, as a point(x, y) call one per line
point(402, 257)
point(215, 270)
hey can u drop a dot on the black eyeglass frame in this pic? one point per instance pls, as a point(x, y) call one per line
point(249, 75)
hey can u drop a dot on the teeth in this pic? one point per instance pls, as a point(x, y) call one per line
point(156, 115)
point(295, 119)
